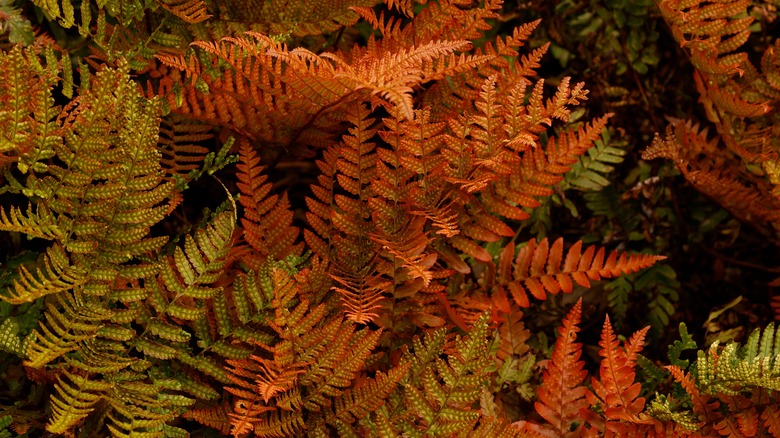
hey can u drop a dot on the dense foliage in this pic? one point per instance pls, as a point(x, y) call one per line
point(398, 218)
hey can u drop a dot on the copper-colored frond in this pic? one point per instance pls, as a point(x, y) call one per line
point(537, 268)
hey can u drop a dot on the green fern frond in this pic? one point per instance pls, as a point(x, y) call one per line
point(439, 394)
point(10, 339)
point(591, 170)
point(40, 224)
point(735, 368)
point(360, 401)
point(190, 273)
point(56, 275)
point(76, 398)
point(70, 321)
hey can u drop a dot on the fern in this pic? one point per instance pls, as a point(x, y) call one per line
point(438, 394)
point(76, 399)
point(616, 388)
point(591, 170)
point(738, 99)
point(734, 367)
point(392, 316)
point(537, 268)
point(311, 364)
point(262, 208)
point(561, 394)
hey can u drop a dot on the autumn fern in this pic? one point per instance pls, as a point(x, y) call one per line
point(562, 394)
point(739, 98)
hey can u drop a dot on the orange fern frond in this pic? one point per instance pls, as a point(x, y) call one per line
point(320, 205)
point(616, 389)
point(179, 143)
point(747, 203)
point(743, 418)
point(267, 219)
point(403, 6)
point(513, 336)
point(361, 297)
point(537, 268)
point(561, 394)
point(705, 409)
point(191, 11)
point(707, 29)
point(216, 416)
point(771, 417)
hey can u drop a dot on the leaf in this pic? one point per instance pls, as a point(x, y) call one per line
point(616, 388)
point(561, 394)
point(537, 268)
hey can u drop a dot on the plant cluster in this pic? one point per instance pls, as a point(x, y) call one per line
point(280, 219)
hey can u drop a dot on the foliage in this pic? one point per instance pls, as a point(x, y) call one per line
point(262, 218)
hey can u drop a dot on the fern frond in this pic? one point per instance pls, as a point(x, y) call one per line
point(542, 167)
point(589, 173)
point(267, 221)
point(28, 132)
point(179, 144)
point(189, 274)
point(56, 275)
point(537, 268)
point(439, 394)
point(361, 297)
point(338, 367)
point(358, 402)
point(65, 330)
point(191, 11)
point(736, 367)
point(742, 201)
point(320, 205)
point(513, 336)
point(616, 388)
point(771, 417)
point(215, 416)
point(313, 362)
point(561, 394)
point(280, 423)
point(76, 398)
point(39, 224)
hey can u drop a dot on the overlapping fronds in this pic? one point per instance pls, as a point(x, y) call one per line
point(537, 268)
point(392, 316)
point(103, 193)
point(438, 394)
point(28, 132)
point(70, 321)
point(309, 368)
point(592, 169)
point(684, 144)
point(315, 88)
point(730, 391)
point(738, 98)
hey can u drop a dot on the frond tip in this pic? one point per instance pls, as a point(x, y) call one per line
point(537, 268)
point(561, 395)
